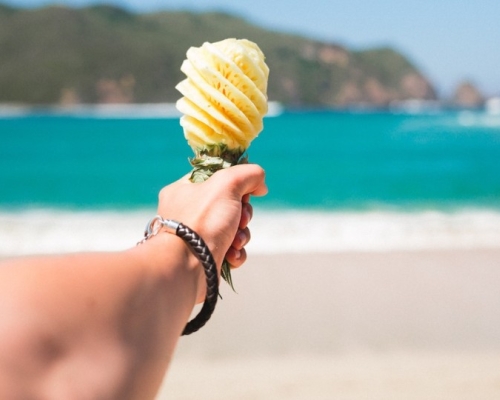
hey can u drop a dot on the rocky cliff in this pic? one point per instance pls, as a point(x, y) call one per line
point(106, 54)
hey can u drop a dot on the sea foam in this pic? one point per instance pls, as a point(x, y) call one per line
point(51, 231)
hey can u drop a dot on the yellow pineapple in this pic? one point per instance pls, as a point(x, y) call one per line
point(224, 101)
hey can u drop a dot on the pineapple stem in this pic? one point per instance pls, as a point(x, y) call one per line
point(208, 161)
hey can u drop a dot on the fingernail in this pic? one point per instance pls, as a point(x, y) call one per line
point(242, 237)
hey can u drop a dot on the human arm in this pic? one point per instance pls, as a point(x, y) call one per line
point(105, 325)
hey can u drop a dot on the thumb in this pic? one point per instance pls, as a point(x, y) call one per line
point(243, 179)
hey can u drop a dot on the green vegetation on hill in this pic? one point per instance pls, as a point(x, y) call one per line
point(107, 54)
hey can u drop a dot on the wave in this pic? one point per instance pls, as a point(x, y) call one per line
point(109, 111)
point(292, 232)
point(97, 111)
point(53, 231)
point(479, 119)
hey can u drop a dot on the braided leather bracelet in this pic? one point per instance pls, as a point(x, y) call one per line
point(202, 252)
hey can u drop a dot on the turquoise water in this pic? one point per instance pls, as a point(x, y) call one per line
point(313, 160)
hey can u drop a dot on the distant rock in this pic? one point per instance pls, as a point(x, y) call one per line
point(467, 95)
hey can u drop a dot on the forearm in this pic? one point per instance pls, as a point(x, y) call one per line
point(105, 325)
point(114, 316)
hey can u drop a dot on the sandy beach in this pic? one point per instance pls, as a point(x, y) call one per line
point(350, 325)
point(417, 319)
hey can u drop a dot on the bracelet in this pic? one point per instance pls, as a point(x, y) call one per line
point(202, 252)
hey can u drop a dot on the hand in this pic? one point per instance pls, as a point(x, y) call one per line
point(217, 209)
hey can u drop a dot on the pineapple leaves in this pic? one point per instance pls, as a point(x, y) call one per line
point(207, 162)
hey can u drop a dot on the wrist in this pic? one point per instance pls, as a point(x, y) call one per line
point(168, 257)
point(181, 266)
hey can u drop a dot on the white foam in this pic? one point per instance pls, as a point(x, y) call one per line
point(479, 119)
point(299, 232)
point(50, 231)
point(110, 111)
point(99, 111)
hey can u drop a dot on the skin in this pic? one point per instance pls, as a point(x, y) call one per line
point(105, 325)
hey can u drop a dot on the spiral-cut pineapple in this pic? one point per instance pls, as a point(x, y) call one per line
point(225, 99)
point(225, 95)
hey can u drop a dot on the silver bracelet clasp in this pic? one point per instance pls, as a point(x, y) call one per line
point(156, 223)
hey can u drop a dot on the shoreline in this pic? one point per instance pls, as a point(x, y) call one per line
point(35, 231)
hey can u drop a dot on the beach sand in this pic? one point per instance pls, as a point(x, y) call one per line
point(381, 325)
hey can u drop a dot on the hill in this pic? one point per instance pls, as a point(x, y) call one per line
point(107, 54)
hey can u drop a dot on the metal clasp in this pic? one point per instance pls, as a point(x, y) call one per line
point(156, 223)
point(153, 227)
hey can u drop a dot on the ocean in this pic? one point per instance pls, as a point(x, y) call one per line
point(360, 180)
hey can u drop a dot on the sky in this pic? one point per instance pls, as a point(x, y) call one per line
point(449, 40)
